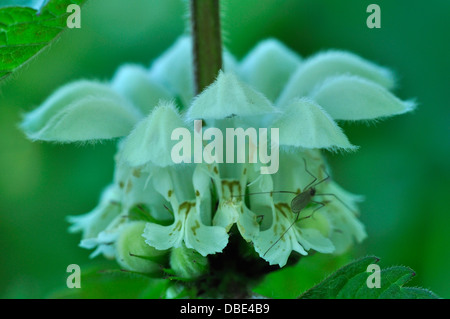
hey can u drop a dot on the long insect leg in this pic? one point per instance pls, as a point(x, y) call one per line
point(315, 178)
point(322, 204)
point(282, 235)
point(307, 171)
point(296, 219)
point(340, 200)
point(259, 193)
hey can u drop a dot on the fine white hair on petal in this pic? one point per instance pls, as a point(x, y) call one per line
point(319, 67)
point(306, 124)
point(269, 60)
point(228, 96)
point(349, 97)
point(81, 111)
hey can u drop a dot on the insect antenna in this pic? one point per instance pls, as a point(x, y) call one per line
point(258, 193)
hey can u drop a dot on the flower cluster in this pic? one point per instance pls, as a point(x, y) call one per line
point(156, 207)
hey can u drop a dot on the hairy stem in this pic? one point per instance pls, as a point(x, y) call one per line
point(207, 42)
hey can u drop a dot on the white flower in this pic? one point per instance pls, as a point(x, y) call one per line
point(185, 187)
point(81, 111)
point(195, 205)
point(188, 192)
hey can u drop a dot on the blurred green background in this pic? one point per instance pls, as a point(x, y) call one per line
point(402, 167)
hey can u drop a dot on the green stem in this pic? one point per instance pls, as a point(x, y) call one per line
point(207, 42)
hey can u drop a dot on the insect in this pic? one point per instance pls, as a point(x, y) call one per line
point(301, 200)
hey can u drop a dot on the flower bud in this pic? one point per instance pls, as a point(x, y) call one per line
point(134, 254)
point(188, 263)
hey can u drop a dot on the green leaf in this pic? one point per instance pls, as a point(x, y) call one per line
point(35, 4)
point(290, 281)
point(350, 282)
point(25, 31)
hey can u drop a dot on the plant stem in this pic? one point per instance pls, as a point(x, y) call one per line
point(207, 42)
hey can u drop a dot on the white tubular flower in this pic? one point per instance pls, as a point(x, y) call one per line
point(341, 211)
point(185, 187)
point(281, 230)
point(227, 104)
point(92, 223)
point(106, 239)
point(101, 227)
point(172, 196)
point(188, 192)
point(231, 208)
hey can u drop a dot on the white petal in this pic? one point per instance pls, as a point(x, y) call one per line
point(106, 239)
point(226, 215)
point(190, 188)
point(247, 224)
point(268, 67)
point(204, 239)
point(342, 217)
point(174, 70)
point(305, 124)
point(134, 83)
point(136, 189)
point(150, 141)
point(202, 185)
point(311, 238)
point(164, 237)
point(89, 243)
point(353, 98)
point(92, 223)
point(230, 63)
point(81, 111)
point(228, 96)
point(347, 231)
point(323, 65)
point(276, 249)
point(108, 251)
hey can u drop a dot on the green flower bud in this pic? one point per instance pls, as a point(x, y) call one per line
point(188, 263)
point(134, 254)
